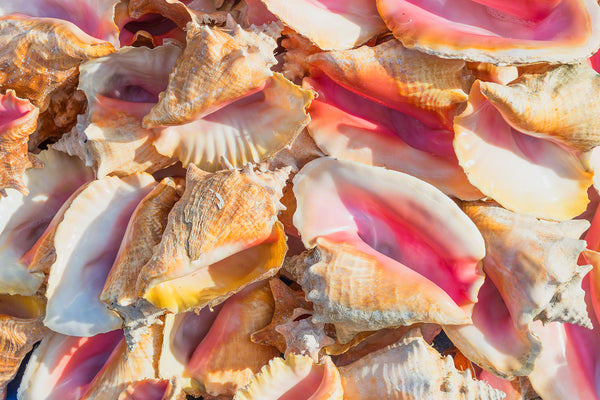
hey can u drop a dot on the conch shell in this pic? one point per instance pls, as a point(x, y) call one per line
point(144, 232)
point(533, 263)
point(221, 236)
point(525, 174)
point(334, 25)
point(559, 105)
point(20, 328)
point(411, 369)
point(79, 248)
point(361, 122)
point(366, 254)
point(24, 218)
point(499, 32)
point(40, 54)
point(152, 389)
point(296, 377)
point(18, 120)
point(257, 114)
point(121, 88)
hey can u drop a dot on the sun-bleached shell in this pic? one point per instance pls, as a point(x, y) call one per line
point(411, 369)
point(525, 174)
point(144, 231)
point(297, 377)
point(20, 328)
point(533, 263)
point(24, 218)
point(226, 359)
point(221, 236)
point(18, 120)
point(331, 25)
point(234, 63)
point(121, 88)
point(423, 86)
point(39, 55)
point(499, 32)
point(85, 242)
point(487, 72)
point(559, 105)
point(360, 266)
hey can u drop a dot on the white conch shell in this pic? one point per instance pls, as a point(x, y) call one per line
point(86, 241)
point(411, 369)
point(297, 377)
point(523, 173)
point(533, 263)
point(121, 88)
point(24, 218)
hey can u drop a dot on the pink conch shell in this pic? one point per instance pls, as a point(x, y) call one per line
point(256, 13)
point(422, 86)
point(144, 231)
point(295, 59)
point(524, 174)
point(517, 389)
point(18, 119)
point(348, 126)
point(369, 249)
point(20, 328)
point(62, 367)
point(493, 341)
point(84, 241)
point(499, 32)
point(559, 105)
point(330, 24)
point(121, 88)
point(40, 55)
point(24, 218)
point(411, 369)
point(226, 359)
point(152, 389)
point(533, 263)
point(234, 63)
point(221, 236)
point(94, 17)
point(295, 378)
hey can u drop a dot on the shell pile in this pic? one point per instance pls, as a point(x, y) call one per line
point(299, 199)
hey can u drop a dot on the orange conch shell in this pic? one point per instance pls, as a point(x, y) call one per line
point(18, 120)
point(221, 236)
point(296, 377)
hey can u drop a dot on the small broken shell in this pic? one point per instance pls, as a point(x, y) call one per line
point(18, 120)
point(40, 54)
point(533, 263)
point(331, 25)
point(82, 245)
point(120, 88)
point(24, 218)
point(411, 369)
point(297, 377)
point(497, 31)
point(221, 236)
point(559, 105)
point(369, 249)
point(152, 389)
point(525, 174)
point(20, 328)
